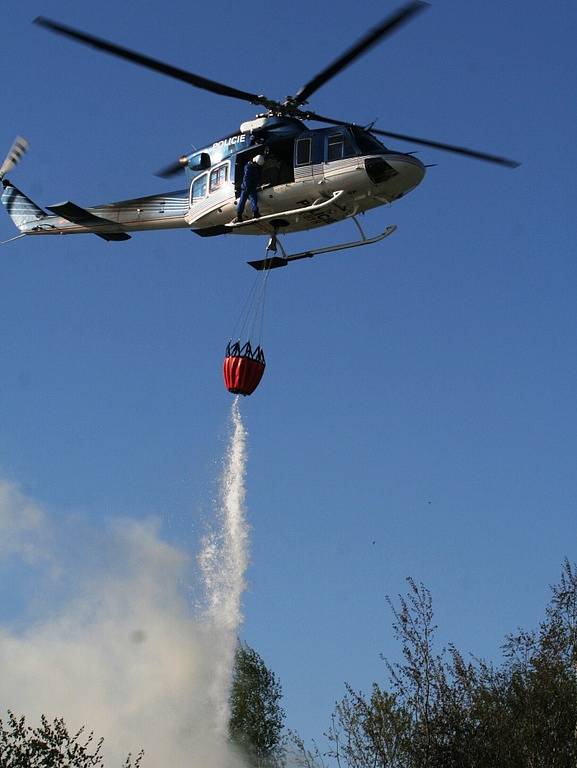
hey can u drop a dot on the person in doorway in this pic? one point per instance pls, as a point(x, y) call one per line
point(249, 188)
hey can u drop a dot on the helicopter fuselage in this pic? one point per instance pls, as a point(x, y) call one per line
point(302, 169)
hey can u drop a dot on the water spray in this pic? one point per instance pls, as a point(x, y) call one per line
point(223, 562)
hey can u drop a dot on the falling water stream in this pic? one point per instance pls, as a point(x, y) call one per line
point(223, 560)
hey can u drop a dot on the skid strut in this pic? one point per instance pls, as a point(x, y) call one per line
point(274, 245)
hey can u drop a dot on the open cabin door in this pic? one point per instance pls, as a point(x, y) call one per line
point(277, 173)
point(240, 159)
point(278, 167)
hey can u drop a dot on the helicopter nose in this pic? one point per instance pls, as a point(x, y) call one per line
point(410, 169)
point(399, 172)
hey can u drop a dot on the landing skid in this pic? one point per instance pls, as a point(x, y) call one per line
point(274, 244)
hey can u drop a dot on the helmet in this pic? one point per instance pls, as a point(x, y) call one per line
point(259, 159)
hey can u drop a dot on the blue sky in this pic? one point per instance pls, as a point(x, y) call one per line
point(419, 394)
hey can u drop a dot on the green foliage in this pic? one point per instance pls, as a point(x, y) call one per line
point(368, 731)
point(256, 717)
point(441, 710)
point(50, 745)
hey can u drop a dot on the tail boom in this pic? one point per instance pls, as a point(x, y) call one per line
point(111, 221)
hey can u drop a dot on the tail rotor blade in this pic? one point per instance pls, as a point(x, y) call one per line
point(14, 156)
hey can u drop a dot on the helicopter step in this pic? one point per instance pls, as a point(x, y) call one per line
point(275, 221)
point(272, 262)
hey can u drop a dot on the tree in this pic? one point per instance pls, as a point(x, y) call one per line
point(370, 731)
point(256, 717)
point(50, 745)
point(438, 709)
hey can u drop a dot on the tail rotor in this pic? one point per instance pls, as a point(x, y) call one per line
point(16, 153)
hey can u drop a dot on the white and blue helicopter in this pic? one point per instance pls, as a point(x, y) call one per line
point(311, 178)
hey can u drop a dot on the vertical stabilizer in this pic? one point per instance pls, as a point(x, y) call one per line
point(23, 212)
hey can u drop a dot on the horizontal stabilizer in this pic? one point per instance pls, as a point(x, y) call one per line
point(77, 215)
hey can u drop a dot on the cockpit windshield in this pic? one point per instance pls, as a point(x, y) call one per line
point(367, 143)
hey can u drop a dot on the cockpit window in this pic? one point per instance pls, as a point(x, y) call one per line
point(199, 188)
point(366, 143)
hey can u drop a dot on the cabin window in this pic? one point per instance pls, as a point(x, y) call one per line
point(199, 188)
point(335, 147)
point(218, 177)
point(304, 147)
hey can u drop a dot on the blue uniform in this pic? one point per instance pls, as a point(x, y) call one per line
point(248, 189)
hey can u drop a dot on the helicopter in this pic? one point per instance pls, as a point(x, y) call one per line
point(310, 178)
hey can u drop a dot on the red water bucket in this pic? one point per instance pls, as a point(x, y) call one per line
point(243, 368)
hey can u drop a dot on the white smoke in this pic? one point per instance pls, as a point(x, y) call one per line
point(22, 525)
point(126, 655)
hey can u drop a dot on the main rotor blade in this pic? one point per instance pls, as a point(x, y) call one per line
point(146, 61)
point(427, 143)
point(375, 35)
point(451, 148)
